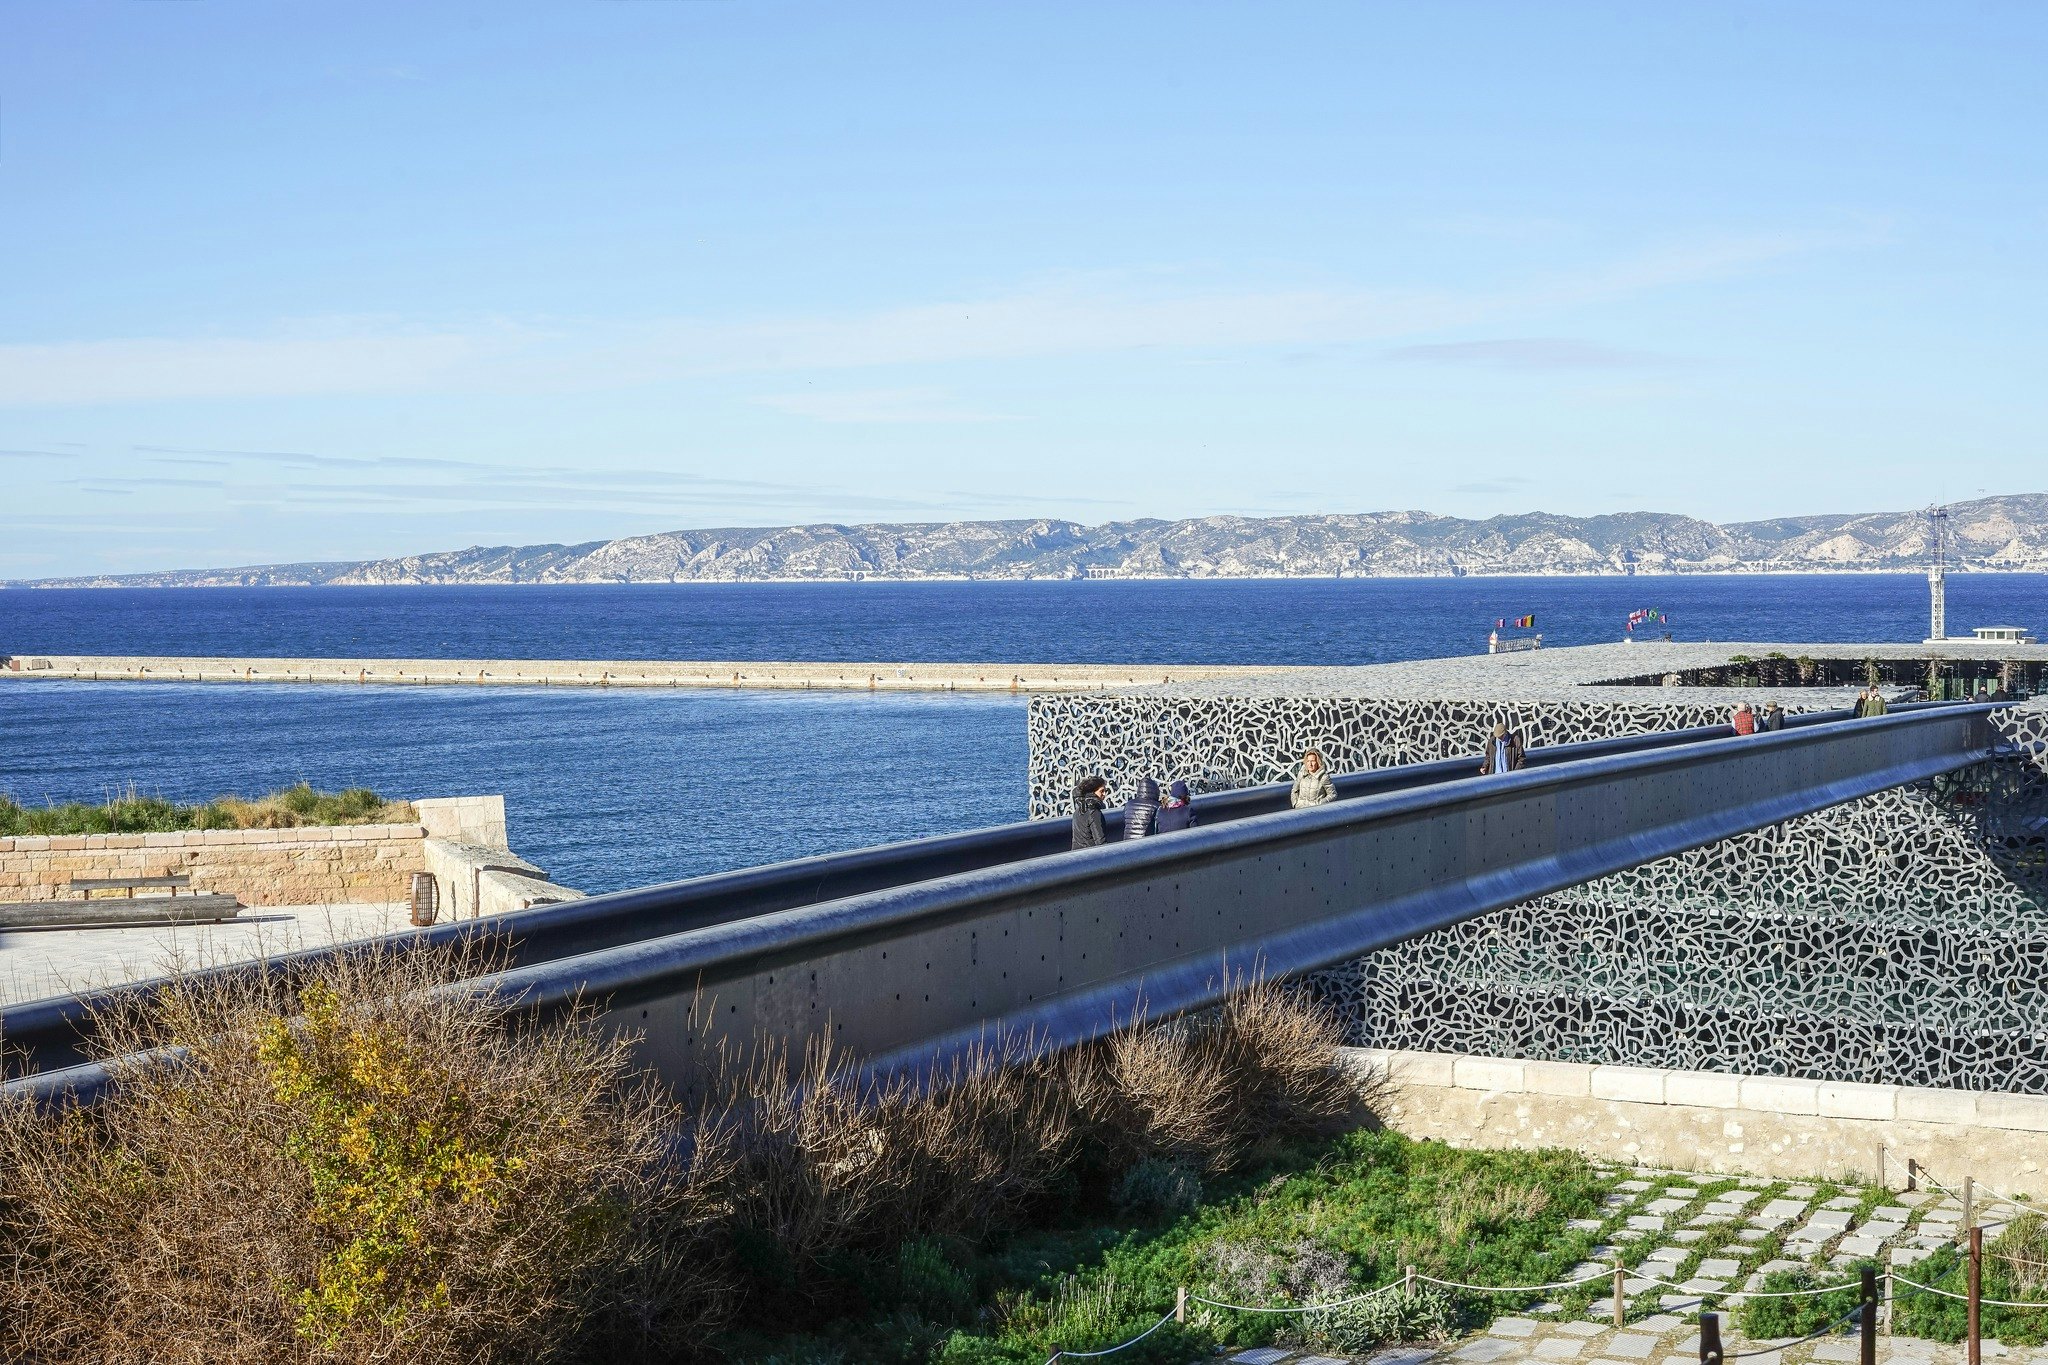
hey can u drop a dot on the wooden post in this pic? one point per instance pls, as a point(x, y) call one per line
point(1180, 1304)
point(1976, 1295)
point(1969, 1203)
point(1868, 1337)
point(1912, 1175)
point(1620, 1296)
point(1881, 1167)
point(1408, 1283)
point(1710, 1339)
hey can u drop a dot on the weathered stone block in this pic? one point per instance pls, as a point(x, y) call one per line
point(1636, 1084)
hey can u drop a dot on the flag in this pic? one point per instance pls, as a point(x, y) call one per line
point(1501, 624)
point(1525, 623)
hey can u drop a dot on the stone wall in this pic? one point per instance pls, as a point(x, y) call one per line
point(1710, 1121)
point(460, 840)
point(313, 866)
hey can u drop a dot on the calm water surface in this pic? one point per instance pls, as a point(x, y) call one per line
point(620, 788)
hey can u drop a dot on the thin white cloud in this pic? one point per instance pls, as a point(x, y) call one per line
point(1526, 353)
point(881, 406)
point(1090, 316)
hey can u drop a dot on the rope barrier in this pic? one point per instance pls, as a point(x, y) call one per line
point(1304, 1308)
point(1814, 1291)
point(1978, 1193)
point(1516, 1288)
point(1897, 1278)
point(1786, 1346)
point(1058, 1356)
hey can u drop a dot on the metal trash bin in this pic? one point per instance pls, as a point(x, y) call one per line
point(425, 899)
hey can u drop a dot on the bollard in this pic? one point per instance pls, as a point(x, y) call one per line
point(1868, 1337)
point(1976, 1295)
point(1710, 1339)
point(1180, 1304)
point(1620, 1296)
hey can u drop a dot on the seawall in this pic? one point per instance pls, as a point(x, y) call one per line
point(869, 677)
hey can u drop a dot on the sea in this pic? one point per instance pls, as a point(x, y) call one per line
point(614, 788)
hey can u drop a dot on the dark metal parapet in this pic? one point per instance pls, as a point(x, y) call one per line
point(1058, 949)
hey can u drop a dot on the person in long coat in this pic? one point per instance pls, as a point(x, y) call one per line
point(1088, 794)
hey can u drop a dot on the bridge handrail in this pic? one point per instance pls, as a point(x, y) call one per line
point(628, 973)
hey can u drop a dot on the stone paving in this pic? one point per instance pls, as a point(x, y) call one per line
point(1708, 1235)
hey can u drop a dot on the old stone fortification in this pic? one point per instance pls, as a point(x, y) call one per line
point(461, 840)
point(1722, 1122)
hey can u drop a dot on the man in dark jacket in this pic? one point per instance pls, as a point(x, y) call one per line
point(1772, 720)
point(1503, 751)
point(1088, 794)
point(1142, 810)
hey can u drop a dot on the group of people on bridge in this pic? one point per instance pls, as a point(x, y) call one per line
point(1147, 812)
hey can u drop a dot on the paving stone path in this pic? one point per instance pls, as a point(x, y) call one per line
point(1709, 1235)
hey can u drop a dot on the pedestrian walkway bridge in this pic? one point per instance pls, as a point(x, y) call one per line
point(915, 951)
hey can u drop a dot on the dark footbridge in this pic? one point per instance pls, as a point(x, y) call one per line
point(913, 952)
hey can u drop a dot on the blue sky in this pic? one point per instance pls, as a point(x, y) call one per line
point(328, 280)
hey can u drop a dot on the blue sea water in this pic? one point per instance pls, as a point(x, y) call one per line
point(618, 788)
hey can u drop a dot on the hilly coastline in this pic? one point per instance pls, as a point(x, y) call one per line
point(1998, 533)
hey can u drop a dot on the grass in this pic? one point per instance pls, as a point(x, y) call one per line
point(1310, 1222)
point(132, 813)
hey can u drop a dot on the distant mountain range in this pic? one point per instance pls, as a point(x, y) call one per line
point(2008, 533)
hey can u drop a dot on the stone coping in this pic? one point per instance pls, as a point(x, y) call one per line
point(1714, 1090)
point(197, 838)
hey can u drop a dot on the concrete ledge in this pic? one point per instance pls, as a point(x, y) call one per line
point(1773, 1126)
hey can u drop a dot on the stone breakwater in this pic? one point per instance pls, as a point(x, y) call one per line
point(872, 677)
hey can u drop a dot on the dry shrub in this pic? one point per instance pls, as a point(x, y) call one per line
point(826, 1163)
point(379, 1164)
point(394, 1173)
point(1204, 1089)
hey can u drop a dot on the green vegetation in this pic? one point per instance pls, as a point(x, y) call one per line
point(2015, 1271)
point(132, 813)
point(1312, 1222)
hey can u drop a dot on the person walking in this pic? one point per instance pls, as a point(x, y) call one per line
point(1503, 751)
point(1876, 705)
point(1088, 794)
point(1744, 719)
point(1141, 812)
point(1177, 811)
point(1312, 787)
point(1862, 706)
point(1772, 720)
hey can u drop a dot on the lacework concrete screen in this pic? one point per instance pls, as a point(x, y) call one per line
point(1902, 938)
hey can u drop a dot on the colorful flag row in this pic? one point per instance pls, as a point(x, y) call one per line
point(1519, 623)
point(1647, 616)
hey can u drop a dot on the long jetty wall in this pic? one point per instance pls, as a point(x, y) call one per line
point(873, 677)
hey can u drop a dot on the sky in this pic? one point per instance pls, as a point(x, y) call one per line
point(343, 280)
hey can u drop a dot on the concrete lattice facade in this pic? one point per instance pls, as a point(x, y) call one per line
point(1900, 939)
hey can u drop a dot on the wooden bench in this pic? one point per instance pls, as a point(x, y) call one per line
point(87, 885)
point(122, 912)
